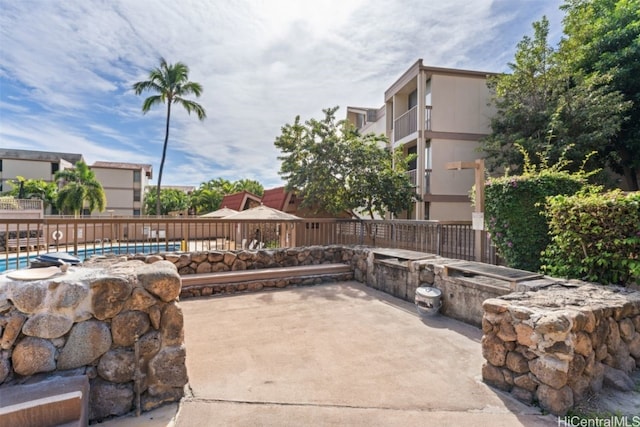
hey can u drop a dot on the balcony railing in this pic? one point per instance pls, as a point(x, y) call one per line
point(11, 204)
point(413, 177)
point(23, 239)
point(407, 123)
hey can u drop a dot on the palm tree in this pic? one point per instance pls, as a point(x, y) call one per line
point(80, 186)
point(171, 83)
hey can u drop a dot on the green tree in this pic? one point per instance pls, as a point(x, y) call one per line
point(171, 83)
point(80, 186)
point(603, 39)
point(205, 200)
point(172, 200)
point(34, 189)
point(545, 107)
point(208, 196)
point(525, 100)
point(249, 185)
point(332, 167)
point(225, 186)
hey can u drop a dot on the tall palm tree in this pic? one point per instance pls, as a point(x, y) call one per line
point(79, 186)
point(171, 83)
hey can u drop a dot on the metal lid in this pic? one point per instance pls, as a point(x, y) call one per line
point(427, 291)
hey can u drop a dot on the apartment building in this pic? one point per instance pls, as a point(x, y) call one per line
point(33, 165)
point(124, 185)
point(440, 115)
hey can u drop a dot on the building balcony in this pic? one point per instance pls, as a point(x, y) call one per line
point(413, 177)
point(407, 123)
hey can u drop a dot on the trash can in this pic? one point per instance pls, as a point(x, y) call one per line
point(428, 300)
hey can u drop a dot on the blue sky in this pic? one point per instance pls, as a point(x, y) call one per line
point(66, 70)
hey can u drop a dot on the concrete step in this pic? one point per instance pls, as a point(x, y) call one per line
point(57, 401)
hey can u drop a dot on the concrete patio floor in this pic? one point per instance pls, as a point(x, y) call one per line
point(336, 354)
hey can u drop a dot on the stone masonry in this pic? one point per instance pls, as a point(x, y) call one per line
point(561, 343)
point(117, 323)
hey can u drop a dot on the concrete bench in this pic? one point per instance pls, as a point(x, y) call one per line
point(57, 401)
point(242, 280)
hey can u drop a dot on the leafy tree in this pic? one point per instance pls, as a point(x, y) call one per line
point(172, 200)
point(206, 200)
point(332, 167)
point(545, 107)
point(171, 83)
point(80, 186)
point(208, 196)
point(524, 101)
point(225, 186)
point(249, 185)
point(603, 39)
point(34, 189)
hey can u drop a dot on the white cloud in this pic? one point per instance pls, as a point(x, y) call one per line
point(66, 70)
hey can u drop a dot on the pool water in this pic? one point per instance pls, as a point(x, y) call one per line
point(23, 261)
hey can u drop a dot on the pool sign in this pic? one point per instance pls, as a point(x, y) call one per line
point(477, 220)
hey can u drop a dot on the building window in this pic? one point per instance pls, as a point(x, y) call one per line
point(136, 176)
point(54, 168)
point(0, 165)
point(136, 195)
point(86, 212)
point(413, 164)
point(413, 99)
point(136, 212)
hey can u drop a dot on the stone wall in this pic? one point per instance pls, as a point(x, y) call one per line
point(219, 261)
point(117, 323)
point(462, 297)
point(559, 344)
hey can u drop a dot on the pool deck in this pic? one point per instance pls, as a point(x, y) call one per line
point(334, 354)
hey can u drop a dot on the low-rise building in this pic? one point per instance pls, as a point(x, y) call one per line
point(124, 185)
point(440, 115)
point(32, 164)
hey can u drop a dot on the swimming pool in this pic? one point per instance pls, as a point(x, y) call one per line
point(115, 249)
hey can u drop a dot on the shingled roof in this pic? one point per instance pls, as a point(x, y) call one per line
point(240, 201)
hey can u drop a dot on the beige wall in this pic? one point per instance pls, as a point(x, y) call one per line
point(443, 211)
point(119, 188)
point(460, 104)
point(455, 182)
point(121, 178)
point(30, 169)
point(378, 127)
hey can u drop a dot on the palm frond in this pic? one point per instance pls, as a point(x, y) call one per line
point(151, 101)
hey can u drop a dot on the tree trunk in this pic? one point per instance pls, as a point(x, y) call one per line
point(164, 154)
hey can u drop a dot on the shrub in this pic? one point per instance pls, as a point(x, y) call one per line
point(595, 237)
point(513, 214)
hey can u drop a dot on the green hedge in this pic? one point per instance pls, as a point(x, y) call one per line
point(596, 237)
point(513, 214)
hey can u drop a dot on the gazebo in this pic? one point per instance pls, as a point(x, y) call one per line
point(279, 224)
